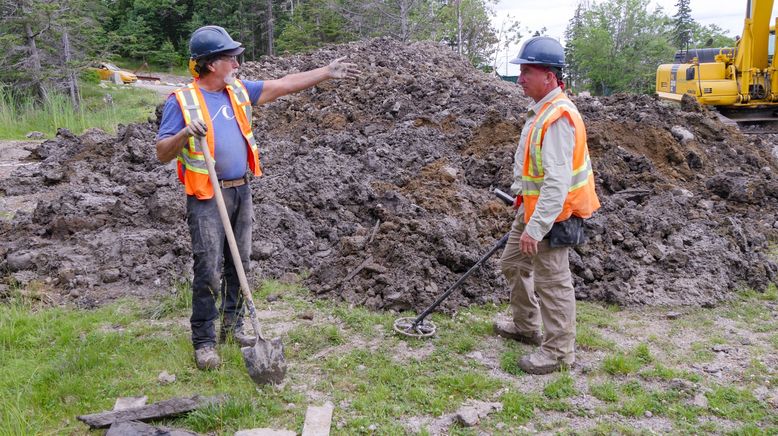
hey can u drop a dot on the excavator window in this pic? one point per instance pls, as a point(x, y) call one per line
point(690, 73)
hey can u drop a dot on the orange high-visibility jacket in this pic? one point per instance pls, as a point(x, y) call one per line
point(192, 171)
point(581, 198)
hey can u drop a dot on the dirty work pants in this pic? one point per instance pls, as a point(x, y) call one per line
point(214, 270)
point(541, 290)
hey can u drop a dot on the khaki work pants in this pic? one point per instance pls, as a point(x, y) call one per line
point(541, 290)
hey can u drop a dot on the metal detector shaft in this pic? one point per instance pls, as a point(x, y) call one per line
point(508, 199)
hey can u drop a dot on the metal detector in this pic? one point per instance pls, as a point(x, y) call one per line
point(419, 327)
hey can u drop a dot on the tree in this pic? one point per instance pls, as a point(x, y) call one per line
point(479, 40)
point(683, 24)
point(574, 30)
point(311, 25)
point(618, 46)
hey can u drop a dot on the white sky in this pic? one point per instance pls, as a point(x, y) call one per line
point(555, 14)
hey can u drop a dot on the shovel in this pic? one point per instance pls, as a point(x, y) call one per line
point(265, 361)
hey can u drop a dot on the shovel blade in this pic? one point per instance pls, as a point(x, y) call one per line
point(265, 361)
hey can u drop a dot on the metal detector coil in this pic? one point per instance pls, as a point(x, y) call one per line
point(408, 327)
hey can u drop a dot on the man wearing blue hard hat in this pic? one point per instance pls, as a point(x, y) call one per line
point(218, 106)
point(554, 188)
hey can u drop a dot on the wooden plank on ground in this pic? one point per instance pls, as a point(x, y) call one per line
point(318, 420)
point(162, 409)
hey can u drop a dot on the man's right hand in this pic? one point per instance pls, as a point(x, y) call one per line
point(196, 127)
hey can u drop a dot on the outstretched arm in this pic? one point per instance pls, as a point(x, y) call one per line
point(292, 83)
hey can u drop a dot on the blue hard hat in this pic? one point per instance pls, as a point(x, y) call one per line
point(209, 40)
point(541, 50)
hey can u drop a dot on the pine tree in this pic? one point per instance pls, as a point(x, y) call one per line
point(683, 24)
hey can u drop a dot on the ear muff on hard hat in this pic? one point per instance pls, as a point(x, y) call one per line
point(209, 40)
point(541, 50)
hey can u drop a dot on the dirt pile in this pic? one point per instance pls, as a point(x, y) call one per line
point(380, 189)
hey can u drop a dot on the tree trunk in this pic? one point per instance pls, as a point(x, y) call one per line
point(72, 83)
point(35, 64)
point(404, 12)
point(270, 28)
point(459, 27)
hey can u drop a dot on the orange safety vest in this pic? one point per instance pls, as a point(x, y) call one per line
point(581, 198)
point(192, 171)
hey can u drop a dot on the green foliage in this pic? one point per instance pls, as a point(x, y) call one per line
point(312, 25)
point(166, 56)
point(627, 363)
point(617, 45)
point(683, 23)
point(606, 391)
point(733, 403)
point(517, 408)
point(561, 387)
point(89, 76)
point(20, 113)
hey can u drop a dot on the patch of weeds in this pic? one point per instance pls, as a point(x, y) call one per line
point(461, 344)
point(509, 362)
point(758, 372)
point(588, 338)
point(305, 341)
point(595, 315)
point(383, 390)
point(517, 408)
point(749, 310)
point(362, 320)
point(774, 341)
point(561, 387)
point(663, 372)
point(177, 303)
point(605, 391)
point(612, 428)
point(735, 404)
point(753, 430)
point(627, 363)
point(636, 400)
point(702, 353)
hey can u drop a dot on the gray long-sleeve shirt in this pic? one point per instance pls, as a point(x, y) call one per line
point(557, 156)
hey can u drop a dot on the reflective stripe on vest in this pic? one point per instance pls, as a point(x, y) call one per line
point(581, 199)
point(192, 171)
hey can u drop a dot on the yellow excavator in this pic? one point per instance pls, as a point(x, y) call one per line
point(741, 81)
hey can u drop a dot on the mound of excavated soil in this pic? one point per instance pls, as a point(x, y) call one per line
point(379, 189)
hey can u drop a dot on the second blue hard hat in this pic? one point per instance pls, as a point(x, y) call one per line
point(541, 50)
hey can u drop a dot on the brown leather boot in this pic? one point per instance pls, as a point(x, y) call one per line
point(207, 358)
point(507, 329)
point(538, 363)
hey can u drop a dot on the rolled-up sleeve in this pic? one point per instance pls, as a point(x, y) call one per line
point(557, 157)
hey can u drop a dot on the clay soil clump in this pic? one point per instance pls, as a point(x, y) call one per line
point(377, 191)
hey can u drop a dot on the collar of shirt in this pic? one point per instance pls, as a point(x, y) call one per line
point(535, 107)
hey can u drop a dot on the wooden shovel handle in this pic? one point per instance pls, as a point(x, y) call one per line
point(217, 192)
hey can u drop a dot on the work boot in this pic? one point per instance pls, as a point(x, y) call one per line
point(538, 363)
point(507, 329)
point(207, 358)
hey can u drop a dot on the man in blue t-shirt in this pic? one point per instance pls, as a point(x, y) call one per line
point(214, 106)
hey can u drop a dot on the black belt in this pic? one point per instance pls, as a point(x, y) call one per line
point(234, 183)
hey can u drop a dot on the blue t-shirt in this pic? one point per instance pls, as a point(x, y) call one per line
point(230, 149)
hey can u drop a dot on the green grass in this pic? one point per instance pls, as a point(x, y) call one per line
point(62, 362)
point(621, 363)
point(19, 116)
point(605, 391)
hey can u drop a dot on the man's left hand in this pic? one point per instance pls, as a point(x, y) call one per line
point(343, 70)
point(529, 246)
